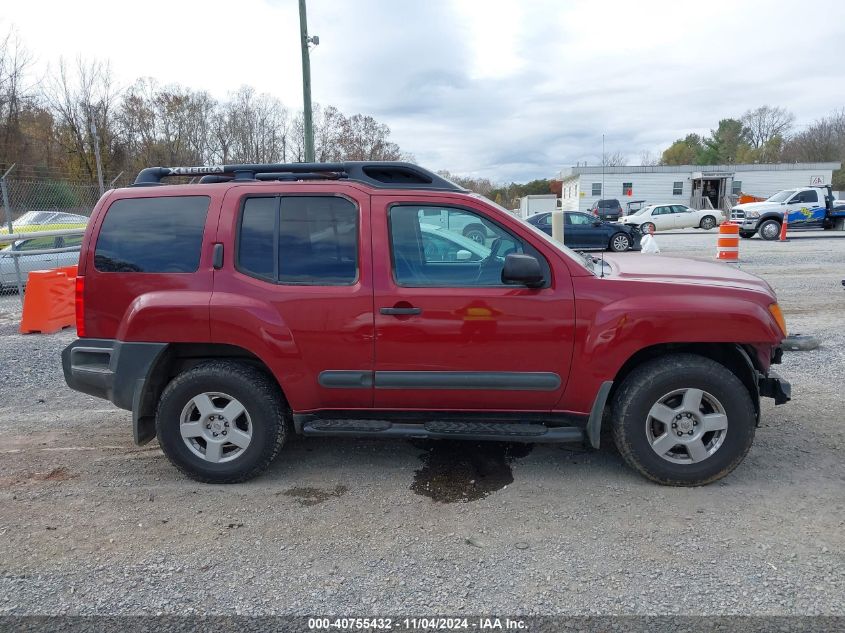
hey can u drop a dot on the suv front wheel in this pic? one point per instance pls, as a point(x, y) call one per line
point(683, 420)
point(221, 422)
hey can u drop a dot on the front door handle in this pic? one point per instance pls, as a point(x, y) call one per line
point(400, 311)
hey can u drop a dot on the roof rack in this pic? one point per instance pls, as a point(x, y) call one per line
point(384, 174)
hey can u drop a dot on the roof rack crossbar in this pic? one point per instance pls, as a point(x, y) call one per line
point(385, 174)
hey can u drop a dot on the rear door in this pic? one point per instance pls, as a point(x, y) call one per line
point(295, 288)
point(449, 334)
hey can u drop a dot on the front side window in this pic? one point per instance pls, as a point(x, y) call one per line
point(463, 249)
point(806, 196)
point(678, 188)
point(152, 235)
point(299, 240)
point(579, 219)
point(36, 244)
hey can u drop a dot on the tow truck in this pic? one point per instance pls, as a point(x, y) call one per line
point(804, 207)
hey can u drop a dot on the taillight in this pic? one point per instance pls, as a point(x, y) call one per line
point(80, 306)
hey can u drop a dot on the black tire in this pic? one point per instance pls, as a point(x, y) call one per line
point(647, 385)
point(262, 400)
point(647, 227)
point(707, 222)
point(616, 240)
point(747, 234)
point(476, 233)
point(769, 230)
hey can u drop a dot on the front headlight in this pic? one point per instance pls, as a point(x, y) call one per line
point(775, 311)
point(752, 214)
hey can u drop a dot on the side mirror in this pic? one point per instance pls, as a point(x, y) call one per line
point(522, 269)
point(463, 255)
point(596, 222)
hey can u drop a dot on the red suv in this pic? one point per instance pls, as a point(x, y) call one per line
point(329, 299)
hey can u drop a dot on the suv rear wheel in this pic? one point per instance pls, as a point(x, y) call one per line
point(683, 420)
point(221, 422)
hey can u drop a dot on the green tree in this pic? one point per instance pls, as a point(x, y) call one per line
point(684, 151)
point(723, 145)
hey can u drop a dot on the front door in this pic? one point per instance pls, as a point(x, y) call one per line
point(449, 334)
point(806, 209)
point(580, 232)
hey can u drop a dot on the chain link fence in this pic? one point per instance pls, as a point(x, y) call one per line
point(31, 206)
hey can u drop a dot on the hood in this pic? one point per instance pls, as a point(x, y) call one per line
point(759, 206)
point(657, 269)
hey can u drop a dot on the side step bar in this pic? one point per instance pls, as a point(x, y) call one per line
point(492, 431)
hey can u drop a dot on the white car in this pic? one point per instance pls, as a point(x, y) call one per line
point(663, 217)
point(41, 261)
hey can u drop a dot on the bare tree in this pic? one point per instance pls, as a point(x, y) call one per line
point(15, 98)
point(648, 159)
point(616, 159)
point(81, 100)
point(766, 123)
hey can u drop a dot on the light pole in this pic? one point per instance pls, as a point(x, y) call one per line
point(305, 40)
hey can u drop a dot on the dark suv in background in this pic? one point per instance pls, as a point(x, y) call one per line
point(607, 210)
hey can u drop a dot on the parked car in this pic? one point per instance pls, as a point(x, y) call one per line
point(44, 221)
point(608, 210)
point(583, 231)
point(39, 261)
point(230, 313)
point(663, 217)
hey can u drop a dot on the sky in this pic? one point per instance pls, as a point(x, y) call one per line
point(509, 90)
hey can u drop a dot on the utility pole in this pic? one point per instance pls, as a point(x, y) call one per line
point(603, 161)
point(305, 40)
point(96, 139)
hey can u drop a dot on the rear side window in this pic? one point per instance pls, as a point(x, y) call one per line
point(304, 240)
point(152, 235)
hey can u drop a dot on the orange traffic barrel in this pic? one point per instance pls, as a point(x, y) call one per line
point(727, 244)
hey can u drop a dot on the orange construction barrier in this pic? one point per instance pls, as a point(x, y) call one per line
point(746, 197)
point(49, 301)
point(727, 244)
point(783, 226)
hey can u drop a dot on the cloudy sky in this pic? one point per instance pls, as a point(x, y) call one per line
point(505, 89)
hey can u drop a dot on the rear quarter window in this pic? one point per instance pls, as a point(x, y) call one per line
point(152, 235)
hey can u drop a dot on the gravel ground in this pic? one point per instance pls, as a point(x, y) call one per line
point(91, 524)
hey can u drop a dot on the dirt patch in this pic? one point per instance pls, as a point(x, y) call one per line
point(56, 474)
point(456, 471)
point(312, 496)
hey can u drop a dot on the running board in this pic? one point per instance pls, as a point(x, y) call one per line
point(492, 431)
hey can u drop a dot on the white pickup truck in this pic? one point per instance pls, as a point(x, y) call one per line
point(804, 207)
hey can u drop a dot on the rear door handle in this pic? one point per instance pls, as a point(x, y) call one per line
point(400, 311)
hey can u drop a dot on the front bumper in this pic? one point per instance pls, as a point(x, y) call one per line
point(773, 386)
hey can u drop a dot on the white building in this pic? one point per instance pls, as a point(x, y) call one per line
point(698, 186)
point(536, 203)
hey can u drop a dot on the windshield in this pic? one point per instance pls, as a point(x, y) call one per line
point(33, 217)
point(575, 257)
point(641, 211)
point(782, 196)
